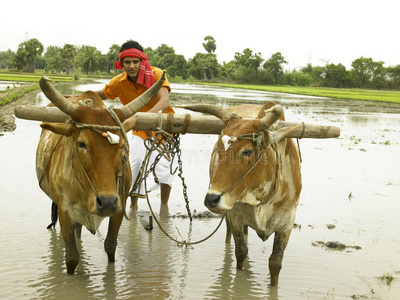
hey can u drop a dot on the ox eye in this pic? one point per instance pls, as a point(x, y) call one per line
point(247, 152)
point(82, 145)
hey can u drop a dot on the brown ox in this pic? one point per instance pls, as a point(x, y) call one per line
point(81, 171)
point(255, 177)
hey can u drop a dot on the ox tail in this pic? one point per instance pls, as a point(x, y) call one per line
point(54, 216)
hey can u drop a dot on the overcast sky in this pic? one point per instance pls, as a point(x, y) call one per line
point(304, 31)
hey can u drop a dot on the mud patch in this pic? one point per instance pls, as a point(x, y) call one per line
point(334, 245)
point(198, 215)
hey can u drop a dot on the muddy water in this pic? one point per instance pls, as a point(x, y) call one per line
point(351, 182)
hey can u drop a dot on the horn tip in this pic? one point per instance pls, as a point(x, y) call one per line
point(44, 78)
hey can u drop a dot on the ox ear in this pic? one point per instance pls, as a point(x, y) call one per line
point(58, 128)
point(280, 134)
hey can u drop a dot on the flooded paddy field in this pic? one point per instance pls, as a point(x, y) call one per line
point(346, 243)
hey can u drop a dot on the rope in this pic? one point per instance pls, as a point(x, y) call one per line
point(186, 123)
point(125, 145)
point(298, 144)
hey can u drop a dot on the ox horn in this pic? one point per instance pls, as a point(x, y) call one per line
point(214, 110)
point(141, 101)
point(55, 97)
point(271, 116)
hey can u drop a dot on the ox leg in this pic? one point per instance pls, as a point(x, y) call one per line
point(228, 231)
point(54, 215)
point(71, 252)
point(110, 244)
point(275, 260)
point(240, 244)
point(78, 230)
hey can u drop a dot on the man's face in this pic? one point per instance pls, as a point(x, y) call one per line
point(131, 66)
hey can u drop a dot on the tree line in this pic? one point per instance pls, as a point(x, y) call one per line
point(245, 67)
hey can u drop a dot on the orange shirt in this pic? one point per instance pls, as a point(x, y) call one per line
point(120, 86)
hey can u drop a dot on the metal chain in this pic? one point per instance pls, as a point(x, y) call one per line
point(180, 174)
point(168, 147)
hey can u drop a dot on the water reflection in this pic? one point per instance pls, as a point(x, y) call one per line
point(363, 161)
point(4, 85)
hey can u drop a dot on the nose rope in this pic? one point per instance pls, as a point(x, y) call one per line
point(244, 175)
point(84, 172)
point(125, 145)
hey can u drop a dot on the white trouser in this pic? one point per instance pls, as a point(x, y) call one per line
point(137, 152)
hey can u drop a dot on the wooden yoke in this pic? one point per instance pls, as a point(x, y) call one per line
point(178, 123)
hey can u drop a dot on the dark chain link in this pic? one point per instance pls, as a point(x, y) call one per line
point(178, 152)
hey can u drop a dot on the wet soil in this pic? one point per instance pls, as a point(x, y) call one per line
point(7, 119)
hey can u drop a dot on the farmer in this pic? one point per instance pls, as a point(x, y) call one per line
point(137, 77)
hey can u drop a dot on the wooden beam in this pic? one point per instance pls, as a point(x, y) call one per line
point(178, 123)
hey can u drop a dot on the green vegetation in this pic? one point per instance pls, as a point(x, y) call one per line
point(351, 94)
point(21, 77)
point(246, 67)
point(367, 80)
point(13, 94)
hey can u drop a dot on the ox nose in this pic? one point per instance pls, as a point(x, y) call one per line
point(106, 205)
point(212, 200)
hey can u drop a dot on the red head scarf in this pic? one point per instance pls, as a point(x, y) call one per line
point(145, 76)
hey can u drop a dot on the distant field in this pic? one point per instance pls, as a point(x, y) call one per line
point(351, 94)
point(32, 77)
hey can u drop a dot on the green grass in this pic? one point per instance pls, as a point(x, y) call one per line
point(351, 94)
point(13, 94)
point(25, 77)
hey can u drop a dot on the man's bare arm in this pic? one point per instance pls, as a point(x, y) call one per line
point(163, 101)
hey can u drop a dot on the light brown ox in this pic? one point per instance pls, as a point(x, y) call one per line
point(81, 171)
point(257, 186)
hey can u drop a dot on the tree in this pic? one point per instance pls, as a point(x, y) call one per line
point(337, 76)
point(212, 64)
point(198, 66)
point(379, 80)
point(6, 59)
point(90, 59)
point(40, 63)
point(26, 55)
point(393, 74)
point(227, 69)
point(248, 59)
point(112, 57)
point(247, 66)
point(316, 74)
point(163, 56)
point(274, 65)
point(54, 60)
point(368, 73)
point(180, 64)
point(361, 71)
point(68, 53)
point(209, 44)
point(164, 49)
